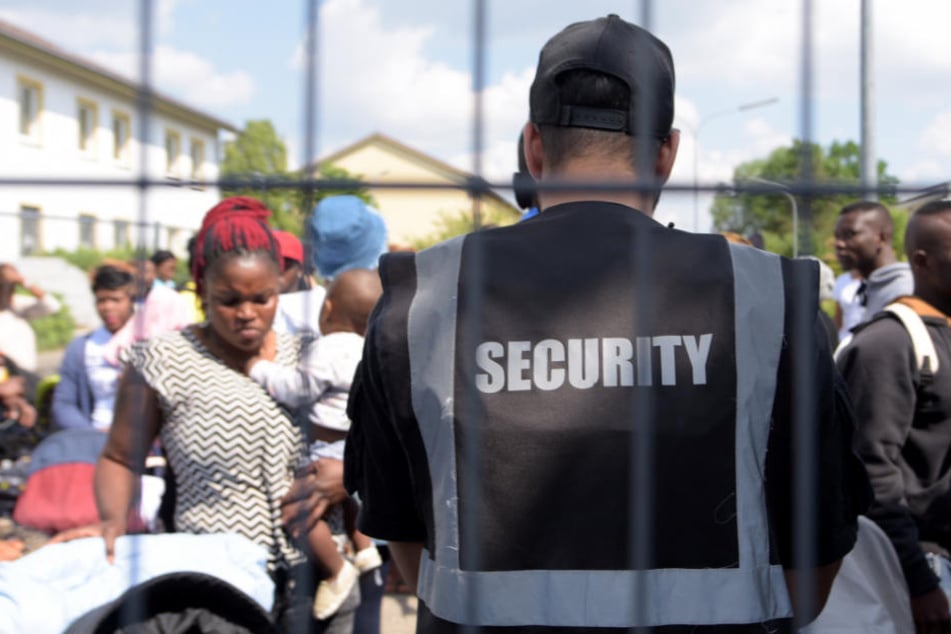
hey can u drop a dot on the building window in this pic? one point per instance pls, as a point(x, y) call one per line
point(121, 136)
point(87, 231)
point(173, 150)
point(30, 96)
point(198, 159)
point(29, 230)
point(120, 238)
point(87, 116)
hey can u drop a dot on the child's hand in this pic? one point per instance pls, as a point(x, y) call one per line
point(268, 352)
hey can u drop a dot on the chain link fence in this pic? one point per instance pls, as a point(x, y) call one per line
point(148, 232)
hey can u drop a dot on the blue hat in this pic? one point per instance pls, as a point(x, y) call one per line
point(346, 233)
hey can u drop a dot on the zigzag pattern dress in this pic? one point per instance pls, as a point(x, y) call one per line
point(233, 449)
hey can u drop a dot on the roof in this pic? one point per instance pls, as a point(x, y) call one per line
point(442, 168)
point(39, 50)
point(940, 191)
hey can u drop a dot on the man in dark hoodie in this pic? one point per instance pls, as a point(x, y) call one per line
point(863, 241)
point(903, 411)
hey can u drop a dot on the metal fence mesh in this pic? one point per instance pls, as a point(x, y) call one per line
point(148, 232)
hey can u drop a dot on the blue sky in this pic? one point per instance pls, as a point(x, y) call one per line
point(402, 68)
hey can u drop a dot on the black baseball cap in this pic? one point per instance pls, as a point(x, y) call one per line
point(614, 47)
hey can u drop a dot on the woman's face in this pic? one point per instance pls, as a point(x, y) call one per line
point(114, 306)
point(241, 298)
point(166, 270)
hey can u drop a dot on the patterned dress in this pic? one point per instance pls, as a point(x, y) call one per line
point(233, 449)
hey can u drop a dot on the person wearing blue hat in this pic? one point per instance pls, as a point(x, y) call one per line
point(346, 233)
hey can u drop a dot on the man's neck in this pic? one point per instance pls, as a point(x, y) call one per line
point(937, 300)
point(598, 174)
point(885, 258)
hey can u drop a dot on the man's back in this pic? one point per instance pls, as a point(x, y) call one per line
point(577, 335)
point(904, 433)
point(539, 354)
point(554, 419)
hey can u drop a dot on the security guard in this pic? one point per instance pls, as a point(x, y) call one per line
point(515, 379)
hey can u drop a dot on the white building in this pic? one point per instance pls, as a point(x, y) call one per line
point(64, 117)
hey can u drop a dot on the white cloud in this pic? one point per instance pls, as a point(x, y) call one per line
point(390, 86)
point(505, 106)
point(937, 136)
point(106, 32)
point(911, 41)
point(932, 162)
point(756, 138)
point(165, 14)
point(395, 88)
point(764, 138)
point(750, 44)
point(924, 172)
point(74, 31)
point(733, 43)
point(186, 76)
point(76, 26)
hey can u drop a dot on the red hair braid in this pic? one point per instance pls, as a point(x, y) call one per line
point(235, 225)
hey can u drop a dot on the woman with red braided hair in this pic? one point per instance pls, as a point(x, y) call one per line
point(232, 449)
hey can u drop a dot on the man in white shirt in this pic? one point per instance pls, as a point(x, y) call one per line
point(298, 306)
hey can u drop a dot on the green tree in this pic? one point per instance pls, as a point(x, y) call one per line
point(259, 154)
point(449, 225)
point(334, 173)
point(770, 214)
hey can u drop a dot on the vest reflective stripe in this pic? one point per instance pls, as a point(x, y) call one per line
point(759, 300)
point(753, 592)
point(432, 348)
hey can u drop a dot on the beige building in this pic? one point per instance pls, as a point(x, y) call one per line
point(414, 214)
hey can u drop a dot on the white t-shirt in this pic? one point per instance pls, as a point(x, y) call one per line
point(322, 380)
point(103, 378)
point(845, 293)
point(299, 313)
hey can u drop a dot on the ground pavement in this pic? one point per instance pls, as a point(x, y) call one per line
point(398, 614)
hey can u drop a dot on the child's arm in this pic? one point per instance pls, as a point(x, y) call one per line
point(293, 386)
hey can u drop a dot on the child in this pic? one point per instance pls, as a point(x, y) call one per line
point(323, 382)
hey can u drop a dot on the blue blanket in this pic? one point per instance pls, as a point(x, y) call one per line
point(50, 588)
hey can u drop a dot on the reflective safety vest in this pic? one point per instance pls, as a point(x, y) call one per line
point(530, 388)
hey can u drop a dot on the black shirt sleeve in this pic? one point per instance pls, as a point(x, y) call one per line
point(841, 490)
point(385, 462)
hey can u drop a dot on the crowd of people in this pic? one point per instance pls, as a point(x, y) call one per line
point(510, 419)
point(244, 409)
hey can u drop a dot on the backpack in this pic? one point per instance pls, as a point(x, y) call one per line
point(925, 353)
point(926, 356)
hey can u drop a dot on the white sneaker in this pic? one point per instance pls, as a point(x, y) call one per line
point(331, 593)
point(368, 559)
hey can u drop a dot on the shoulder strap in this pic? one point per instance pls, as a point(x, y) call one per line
point(842, 346)
point(925, 353)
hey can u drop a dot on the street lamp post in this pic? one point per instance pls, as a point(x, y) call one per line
point(782, 189)
point(696, 147)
